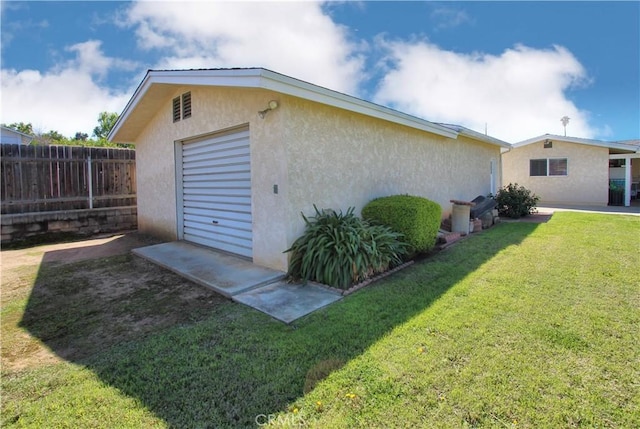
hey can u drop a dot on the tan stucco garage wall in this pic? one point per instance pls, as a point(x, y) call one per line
point(213, 110)
point(586, 183)
point(314, 154)
point(339, 159)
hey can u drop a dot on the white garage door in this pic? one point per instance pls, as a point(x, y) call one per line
point(216, 177)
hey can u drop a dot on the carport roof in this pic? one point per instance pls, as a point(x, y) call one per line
point(158, 85)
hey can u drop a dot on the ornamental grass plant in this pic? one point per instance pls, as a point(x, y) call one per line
point(341, 249)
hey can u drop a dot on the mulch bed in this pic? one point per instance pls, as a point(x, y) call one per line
point(532, 218)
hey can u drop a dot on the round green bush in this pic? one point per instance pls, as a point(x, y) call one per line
point(516, 201)
point(416, 218)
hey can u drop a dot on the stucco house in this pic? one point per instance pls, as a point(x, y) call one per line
point(11, 136)
point(571, 170)
point(229, 158)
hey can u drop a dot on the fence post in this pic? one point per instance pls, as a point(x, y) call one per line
point(90, 181)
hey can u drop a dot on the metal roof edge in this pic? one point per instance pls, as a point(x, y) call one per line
point(270, 80)
point(291, 86)
point(19, 132)
point(468, 132)
point(579, 140)
point(133, 101)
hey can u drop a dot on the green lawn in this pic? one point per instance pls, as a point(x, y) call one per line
point(524, 325)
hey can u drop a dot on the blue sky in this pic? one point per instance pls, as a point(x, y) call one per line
point(514, 67)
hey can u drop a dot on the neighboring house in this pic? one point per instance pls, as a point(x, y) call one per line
point(571, 170)
point(230, 158)
point(11, 136)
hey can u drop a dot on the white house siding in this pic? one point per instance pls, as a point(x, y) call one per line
point(587, 181)
point(339, 159)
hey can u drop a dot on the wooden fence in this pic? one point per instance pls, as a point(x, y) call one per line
point(51, 178)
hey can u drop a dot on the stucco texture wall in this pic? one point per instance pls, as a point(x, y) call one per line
point(314, 153)
point(586, 182)
point(339, 159)
point(214, 110)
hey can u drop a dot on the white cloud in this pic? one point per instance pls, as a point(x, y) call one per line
point(448, 17)
point(294, 38)
point(518, 94)
point(66, 98)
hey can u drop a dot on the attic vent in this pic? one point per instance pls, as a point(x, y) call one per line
point(186, 105)
point(176, 109)
point(181, 107)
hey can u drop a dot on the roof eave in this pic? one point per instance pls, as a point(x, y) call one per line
point(577, 140)
point(133, 101)
point(467, 132)
point(269, 80)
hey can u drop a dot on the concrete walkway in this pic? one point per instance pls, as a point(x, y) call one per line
point(261, 288)
point(633, 210)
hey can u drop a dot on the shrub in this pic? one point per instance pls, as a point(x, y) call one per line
point(516, 201)
point(416, 218)
point(341, 249)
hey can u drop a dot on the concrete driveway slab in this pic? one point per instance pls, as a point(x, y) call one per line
point(288, 301)
point(227, 274)
point(234, 277)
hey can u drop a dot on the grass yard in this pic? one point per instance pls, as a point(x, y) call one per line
point(524, 325)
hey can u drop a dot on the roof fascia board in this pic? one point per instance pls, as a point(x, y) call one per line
point(18, 132)
point(577, 140)
point(135, 99)
point(290, 86)
point(266, 79)
point(485, 138)
point(624, 155)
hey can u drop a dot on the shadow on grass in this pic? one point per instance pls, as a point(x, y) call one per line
point(203, 361)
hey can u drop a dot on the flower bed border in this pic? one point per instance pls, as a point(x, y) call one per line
point(356, 287)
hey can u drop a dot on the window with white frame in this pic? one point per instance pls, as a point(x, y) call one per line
point(548, 167)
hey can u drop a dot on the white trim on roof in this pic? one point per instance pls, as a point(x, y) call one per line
point(267, 79)
point(18, 132)
point(577, 140)
point(476, 135)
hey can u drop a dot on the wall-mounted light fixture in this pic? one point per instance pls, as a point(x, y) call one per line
point(273, 104)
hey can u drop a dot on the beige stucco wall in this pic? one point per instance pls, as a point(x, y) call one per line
point(216, 109)
point(339, 159)
point(316, 154)
point(587, 181)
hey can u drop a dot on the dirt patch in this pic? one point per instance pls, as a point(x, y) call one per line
point(540, 217)
point(72, 300)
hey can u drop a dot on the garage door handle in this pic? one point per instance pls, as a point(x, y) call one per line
point(215, 222)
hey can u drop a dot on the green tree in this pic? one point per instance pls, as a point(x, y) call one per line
point(22, 127)
point(80, 136)
point(53, 137)
point(106, 121)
